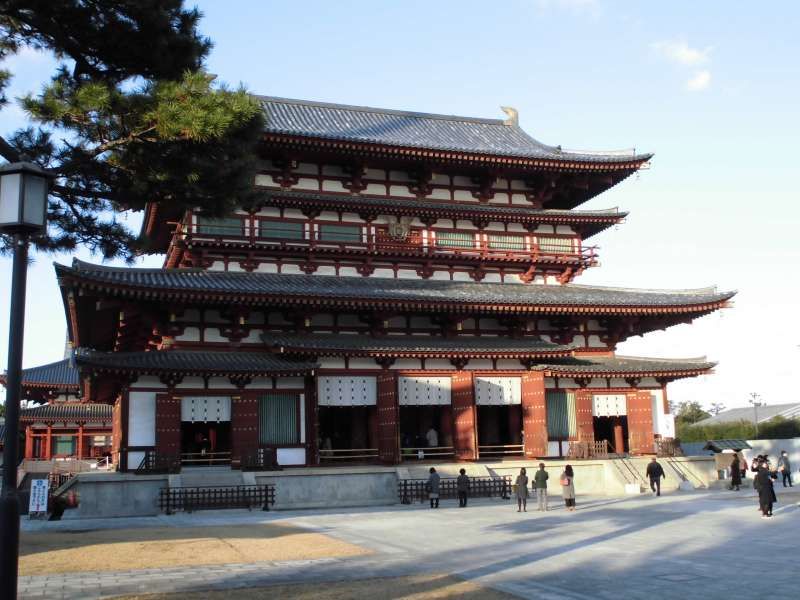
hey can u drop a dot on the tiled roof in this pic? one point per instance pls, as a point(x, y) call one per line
point(68, 411)
point(592, 221)
point(765, 413)
point(61, 374)
point(190, 362)
point(276, 289)
point(720, 445)
point(628, 365)
point(418, 130)
point(407, 345)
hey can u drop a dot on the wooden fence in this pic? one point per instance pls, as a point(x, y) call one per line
point(410, 490)
point(190, 499)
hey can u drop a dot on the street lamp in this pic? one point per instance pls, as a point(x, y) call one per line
point(754, 400)
point(23, 213)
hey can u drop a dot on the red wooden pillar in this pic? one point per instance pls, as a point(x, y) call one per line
point(619, 437)
point(28, 442)
point(446, 426)
point(80, 441)
point(48, 443)
point(244, 426)
point(640, 423)
point(312, 420)
point(388, 418)
point(168, 425)
point(462, 400)
point(534, 414)
point(117, 446)
point(583, 415)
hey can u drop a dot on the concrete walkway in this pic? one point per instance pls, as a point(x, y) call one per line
point(677, 546)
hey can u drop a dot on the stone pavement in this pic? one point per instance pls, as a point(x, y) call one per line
point(682, 545)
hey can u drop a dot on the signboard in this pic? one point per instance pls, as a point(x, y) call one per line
point(40, 490)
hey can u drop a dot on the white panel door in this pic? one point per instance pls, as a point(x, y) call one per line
point(142, 419)
point(609, 405)
point(346, 391)
point(498, 391)
point(422, 391)
point(206, 408)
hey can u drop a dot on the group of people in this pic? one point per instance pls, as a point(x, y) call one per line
point(539, 488)
point(764, 478)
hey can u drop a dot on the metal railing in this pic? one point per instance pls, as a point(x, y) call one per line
point(196, 459)
point(500, 451)
point(427, 453)
point(585, 450)
point(157, 464)
point(354, 454)
point(512, 246)
point(416, 490)
point(189, 499)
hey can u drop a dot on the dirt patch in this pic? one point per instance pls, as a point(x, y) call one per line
point(128, 549)
point(418, 587)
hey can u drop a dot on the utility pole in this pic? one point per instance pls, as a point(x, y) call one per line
point(755, 401)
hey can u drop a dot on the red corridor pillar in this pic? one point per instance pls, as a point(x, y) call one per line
point(388, 418)
point(534, 414)
point(462, 400)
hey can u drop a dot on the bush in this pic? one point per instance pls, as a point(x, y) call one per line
point(776, 428)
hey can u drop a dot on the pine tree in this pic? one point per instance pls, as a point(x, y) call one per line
point(129, 118)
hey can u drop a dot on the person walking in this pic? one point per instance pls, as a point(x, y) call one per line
point(736, 474)
point(785, 467)
point(433, 488)
point(655, 472)
point(522, 491)
point(766, 491)
point(462, 487)
point(540, 483)
point(567, 481)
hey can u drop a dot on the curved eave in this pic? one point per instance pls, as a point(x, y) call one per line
point(425, 353)
point(139, 371)
point(656, 373)
point(568, 164)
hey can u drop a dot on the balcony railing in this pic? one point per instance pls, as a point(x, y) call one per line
point(335, 237)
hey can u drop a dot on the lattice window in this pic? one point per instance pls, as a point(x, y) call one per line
point(282, 230)
point(64, 444)
point(555, 245)
point(226, 226)
point(562, 420)
point(278, 418)
point(329, 232)
point(505, 241)
point(454, 239)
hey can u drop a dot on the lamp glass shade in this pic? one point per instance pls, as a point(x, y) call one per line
point(23, 198)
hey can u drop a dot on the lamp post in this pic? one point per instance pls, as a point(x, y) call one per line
point(754, 400)
point(23, 213)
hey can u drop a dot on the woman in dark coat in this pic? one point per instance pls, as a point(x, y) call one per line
point(766, 493)
point(736, 473)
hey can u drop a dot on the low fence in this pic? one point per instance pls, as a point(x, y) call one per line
point(411, 490)
point(354, 455)
point(585, 450)
point(158, 464)
point(189, 499)
point(263, 459)
point(493, 452)
point(428, 453)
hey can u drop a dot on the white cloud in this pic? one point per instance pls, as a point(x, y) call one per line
point(699, 81)
point(680, 52)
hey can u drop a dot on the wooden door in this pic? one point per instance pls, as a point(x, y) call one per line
point(640, 423)
point(584, 416)
point(534, 414)
point(168, 425)
point(462, 400)
point(388, 419)
point(244, 426)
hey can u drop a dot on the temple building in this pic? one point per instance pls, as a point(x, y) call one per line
point(403, 290)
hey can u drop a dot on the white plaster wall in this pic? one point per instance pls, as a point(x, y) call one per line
point(141, 419)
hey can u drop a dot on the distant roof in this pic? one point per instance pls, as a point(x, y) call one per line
point(748, 414)
point(424, 346)
point(591, 221)
point(720, 445)
point(53, 375)
point(274, 288)
point(191, 362)
point(419, 130)
point(610, 366)
point(67, 411)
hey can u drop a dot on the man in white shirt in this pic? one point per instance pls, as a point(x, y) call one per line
point(432, 437)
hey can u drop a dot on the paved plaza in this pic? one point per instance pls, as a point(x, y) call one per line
point(682, 545)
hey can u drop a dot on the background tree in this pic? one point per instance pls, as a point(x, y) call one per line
point(128, 118)
point(716, 408)
point(690, 412)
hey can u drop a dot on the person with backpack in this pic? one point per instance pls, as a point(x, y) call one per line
point(540, 483)
point(567, 482)
point(655, 472)
point(785, 467)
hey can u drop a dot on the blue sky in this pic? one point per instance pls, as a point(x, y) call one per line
point(712, 88)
